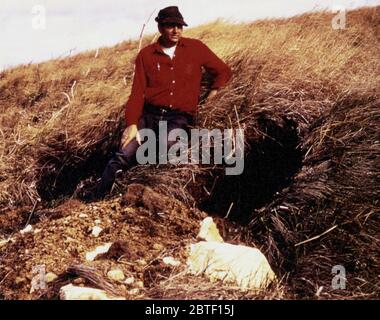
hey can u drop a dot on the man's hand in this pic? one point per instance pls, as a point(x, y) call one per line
point(129, 134)
point(212, 95)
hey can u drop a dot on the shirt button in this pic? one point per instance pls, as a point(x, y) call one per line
point(173, 81)
point(171, 68)
point(171, 93)
point(171, 106)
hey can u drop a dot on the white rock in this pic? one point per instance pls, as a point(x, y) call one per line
point(129, 280)
point(67, 219)
point(134, 291)
point(36, 231)
point(69, 240)
point(243, 266)
point(171, 261)
point(209, 231)
point(96, 231)
point(98, 221)
point(141, 262)
point(83, 215)
point(27, 229)
point(19, 280)
point(116, 274)
point(38, 283)
point(71, 292)
point(50, 277)
point(158, 246)
point(6, 241)
point(139, 284)
point(3, 243)
point(91, 256)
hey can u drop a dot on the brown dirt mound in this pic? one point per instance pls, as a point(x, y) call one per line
point(141, 234)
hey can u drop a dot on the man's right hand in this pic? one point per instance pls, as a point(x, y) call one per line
point(129, 134)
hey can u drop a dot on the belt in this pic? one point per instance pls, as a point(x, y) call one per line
point(160, 110)
point(163, 110)
point(157, 109)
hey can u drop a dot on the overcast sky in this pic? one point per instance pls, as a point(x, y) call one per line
point(38, 30)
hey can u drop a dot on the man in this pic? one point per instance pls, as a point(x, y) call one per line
point(166, 87)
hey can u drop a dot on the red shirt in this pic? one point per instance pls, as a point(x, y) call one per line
point(175, 83)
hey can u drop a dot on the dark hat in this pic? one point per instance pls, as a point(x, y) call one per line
point(170, 15)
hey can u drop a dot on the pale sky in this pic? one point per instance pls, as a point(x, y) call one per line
point(38, 30)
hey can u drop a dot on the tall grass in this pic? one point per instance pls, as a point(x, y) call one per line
point(56, 113)
point(58, 117)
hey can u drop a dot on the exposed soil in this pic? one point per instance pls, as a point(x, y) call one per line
point(143, 226)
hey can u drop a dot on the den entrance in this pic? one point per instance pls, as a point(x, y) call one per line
point(269, 166)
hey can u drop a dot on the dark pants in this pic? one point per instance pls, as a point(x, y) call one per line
point(126, 158)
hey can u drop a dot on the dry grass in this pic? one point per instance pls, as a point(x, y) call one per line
point(57, 114)
point(183, 286)
point(60, 118)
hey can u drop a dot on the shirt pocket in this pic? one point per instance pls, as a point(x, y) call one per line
point(191, 73)
point(189, 70)
point(155, 75)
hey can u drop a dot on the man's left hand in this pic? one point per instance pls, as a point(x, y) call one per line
point(212, 95)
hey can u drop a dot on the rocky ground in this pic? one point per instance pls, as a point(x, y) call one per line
point(144, 228)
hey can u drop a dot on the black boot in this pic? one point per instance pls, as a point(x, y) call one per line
point(114, 166)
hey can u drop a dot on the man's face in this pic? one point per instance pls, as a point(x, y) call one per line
point(171, 32)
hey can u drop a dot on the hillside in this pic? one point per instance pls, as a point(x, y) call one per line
point(308, 98)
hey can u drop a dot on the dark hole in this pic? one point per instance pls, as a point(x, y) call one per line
point(58, 186)
point(268, 168)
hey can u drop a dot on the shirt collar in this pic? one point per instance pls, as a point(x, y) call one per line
point(157, 47)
